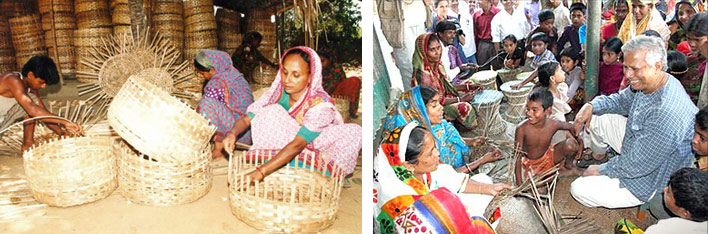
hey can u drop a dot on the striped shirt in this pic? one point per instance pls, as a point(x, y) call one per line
point(657, 141)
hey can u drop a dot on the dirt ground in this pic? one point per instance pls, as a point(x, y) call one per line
point(115, 214)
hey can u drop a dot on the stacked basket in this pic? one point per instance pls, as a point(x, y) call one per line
point(71, 171)
point(93, 22)
point(260, 21)
point(199, 26)
point(27, 38)
point(7, 54)
point(168, 19)
point(64, 24)
point(120, 15)
point(228, 23)
point(172, 165)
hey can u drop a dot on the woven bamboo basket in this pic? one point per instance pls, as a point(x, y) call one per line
point(87, 37)
point(264, 74)
point(141, 107)
point(228, 17)
point(162, 18)
point(123, 31)
point(121, 14)
point(198, 10)
point(228, 43)
point(516, 98)
point(71, 171)
point(27, 38)
point(487, 79)
point(342, 104)
point(486, 104)
point(63, 20)
point(66, 58)
point(290, 200)
point(191, 4)
point(16, 8)
point(63, 6)
point(168, 7)
point(507, 75)
point(94, 19)
point(90, 5)
point(4, 25)
point(201, 39)
point(201, 22)
point(64, 38)
point(147, 181)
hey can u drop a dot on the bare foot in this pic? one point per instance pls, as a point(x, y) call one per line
point(573, 171)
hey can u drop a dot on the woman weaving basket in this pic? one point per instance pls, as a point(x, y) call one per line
point(428, 70)
point(422, 106)
point(226, 95)
point(296, 113)
point(407, 171)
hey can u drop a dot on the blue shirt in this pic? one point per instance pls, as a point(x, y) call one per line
point(657, 139)
point(582, 34)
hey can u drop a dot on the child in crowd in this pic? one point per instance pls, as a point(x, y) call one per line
point(611, 77)
point(539, 41)
point(546, 20)
point(514, 53)
point(533, 136)
point(686, 196)
point(700, 139)
point(574, 75)
point(571, 32)
point(677, 64)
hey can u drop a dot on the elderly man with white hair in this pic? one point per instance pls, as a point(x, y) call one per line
point(650, 124)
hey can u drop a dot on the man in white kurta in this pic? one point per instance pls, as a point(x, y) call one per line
point(508, 22)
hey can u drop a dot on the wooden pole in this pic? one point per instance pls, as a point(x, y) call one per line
point(592, 56)
point(56, 47)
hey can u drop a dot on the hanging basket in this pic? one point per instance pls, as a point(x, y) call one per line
point(290, 200)
point(158, 124)
point(145, 180)
point(71, 171)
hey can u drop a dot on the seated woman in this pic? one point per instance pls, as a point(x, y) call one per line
point(247, 56)
point(406, 169)
point(296, 113)
point(335, 82)
point(422, 105)
point(428, 70)
point(226, 95)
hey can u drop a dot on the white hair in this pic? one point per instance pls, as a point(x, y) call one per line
point(654, 46)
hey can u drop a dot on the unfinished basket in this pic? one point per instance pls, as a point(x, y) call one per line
point(71, 171)
point(158, 124)
point(294, 199)
point(149, 181)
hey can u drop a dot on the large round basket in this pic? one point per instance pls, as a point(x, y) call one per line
point(145, 180)
point(486, 104)
point(71, 171)
point(292, 199)
point(487, 79)
point(516, 111)
point(507, 75)
point(158, 124)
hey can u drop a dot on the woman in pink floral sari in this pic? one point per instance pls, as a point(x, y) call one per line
point(297, 114)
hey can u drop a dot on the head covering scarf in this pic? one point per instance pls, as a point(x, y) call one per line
point(226, 95)
point(315, 93)
point(411, 109)
point(431, 74)
point(680, 34)
point(631, 28)
point(404, 203)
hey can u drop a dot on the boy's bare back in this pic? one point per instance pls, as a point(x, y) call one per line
point(535, 140)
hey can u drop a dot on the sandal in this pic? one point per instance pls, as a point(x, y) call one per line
point(587, 159)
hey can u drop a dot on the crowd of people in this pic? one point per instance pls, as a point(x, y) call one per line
point(641, 140)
